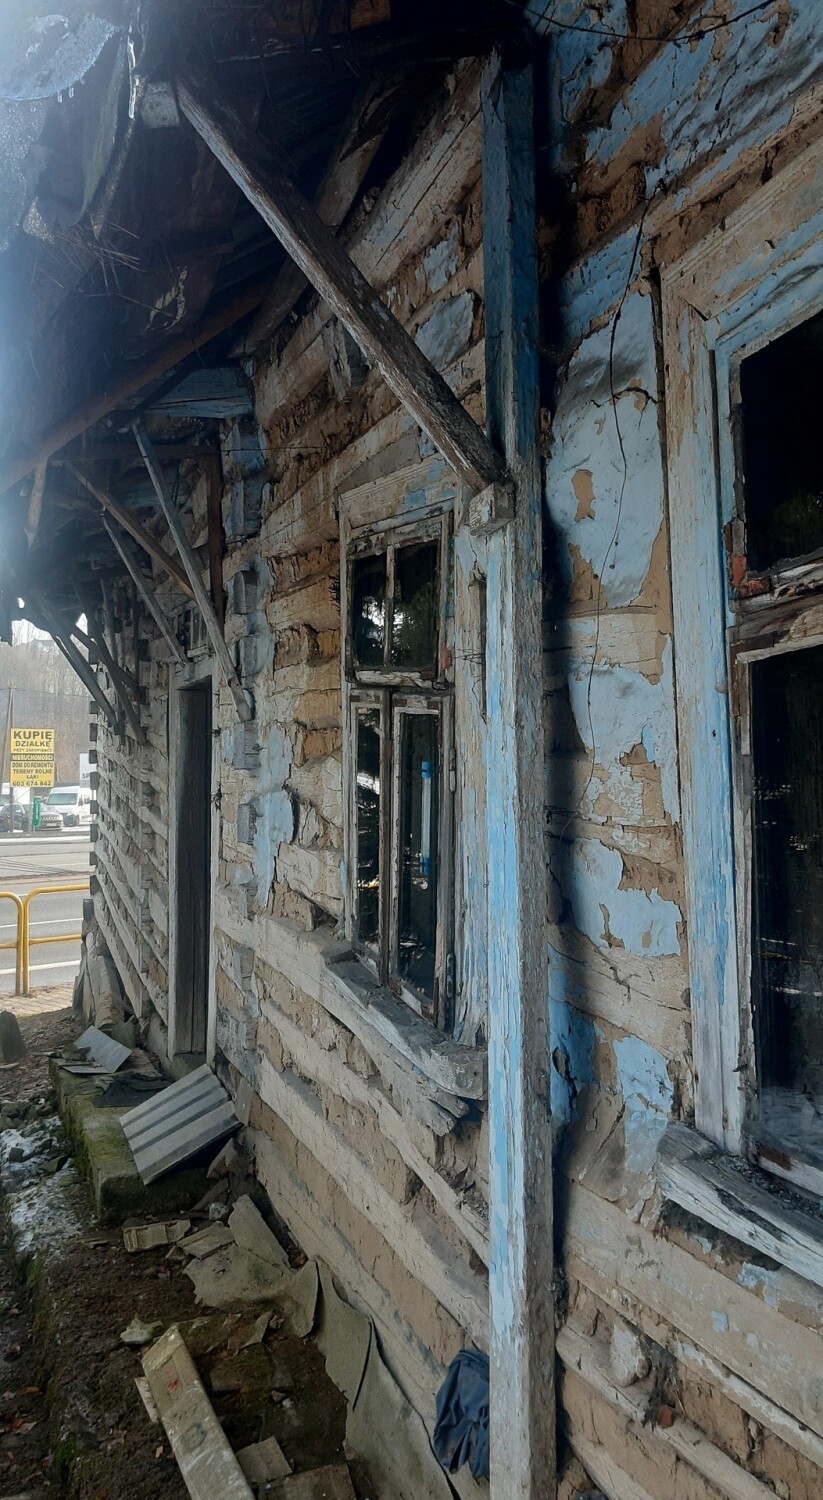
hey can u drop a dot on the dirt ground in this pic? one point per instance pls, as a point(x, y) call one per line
point(25, 1446)
point(72, 1422)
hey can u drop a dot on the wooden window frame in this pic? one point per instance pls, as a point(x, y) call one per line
point(395, 692)
point(744, 285)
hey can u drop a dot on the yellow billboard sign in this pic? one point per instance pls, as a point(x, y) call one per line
point(32, 757)
point(32, 742)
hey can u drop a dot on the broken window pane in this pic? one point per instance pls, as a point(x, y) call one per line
point(368, 825)
point(787, 946)
point(416, 606)
point(368, 603)
point(419, 851)
point(782, 394)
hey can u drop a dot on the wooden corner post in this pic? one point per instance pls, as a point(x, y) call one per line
point(521, 1262)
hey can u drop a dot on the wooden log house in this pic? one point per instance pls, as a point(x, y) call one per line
point(411, 436)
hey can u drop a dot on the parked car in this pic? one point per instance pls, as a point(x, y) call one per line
point(73, 803)
point(51, 819)
point(20, 815)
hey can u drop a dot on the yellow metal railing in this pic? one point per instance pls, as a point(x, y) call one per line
point(24, 941)
point(17, 945)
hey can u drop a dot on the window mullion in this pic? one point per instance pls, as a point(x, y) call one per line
point(387, 856)
point(391, 557)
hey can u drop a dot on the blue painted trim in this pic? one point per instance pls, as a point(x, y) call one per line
point(521, 1302)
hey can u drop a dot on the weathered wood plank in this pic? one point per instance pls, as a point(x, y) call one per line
point(683, 1439)
point(79, 664)
point(384, 340)
point(207, 1464)
point(314, 1061)
point(409, 1359)
point(459, 1070)
point(124, 686)
point(695, 1175)
point(410, 1231)
point(620, 1260)
point(523, 1465)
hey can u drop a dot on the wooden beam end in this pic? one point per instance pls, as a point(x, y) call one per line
point(492, 508)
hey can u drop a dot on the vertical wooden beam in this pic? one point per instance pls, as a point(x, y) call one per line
point(130, 563)
point(331, 271)
point(214, 504)
point(521, 1264)
point(174, 521)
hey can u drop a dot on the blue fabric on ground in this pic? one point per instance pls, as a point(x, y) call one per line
point(461, 1434)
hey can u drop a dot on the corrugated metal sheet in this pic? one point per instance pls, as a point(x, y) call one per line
point(173, 1126)
point(102, 1049)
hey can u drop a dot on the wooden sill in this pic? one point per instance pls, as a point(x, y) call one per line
point(410, 1040)
point(741, 1200)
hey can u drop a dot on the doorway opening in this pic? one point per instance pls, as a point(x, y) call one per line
point(192, 893)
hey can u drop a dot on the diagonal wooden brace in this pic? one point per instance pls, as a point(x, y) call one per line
point(50, 621)
point(174, 521)
point(132, 567)
point(332, 272)
point(141, 536)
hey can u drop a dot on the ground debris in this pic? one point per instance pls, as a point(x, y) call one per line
point(149, 1236)
point(139, 1333)
point(252, 1233)
point(262, 1462)
point(331, 1483)
point(206, 1241)
point(231, 1277)
point(206, 1461)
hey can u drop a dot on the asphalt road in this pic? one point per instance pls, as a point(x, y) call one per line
point(28, 861)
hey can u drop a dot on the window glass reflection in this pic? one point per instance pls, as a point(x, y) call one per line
point(416, 606)
point(368, 825)
point(368, 590)
point(419, 851)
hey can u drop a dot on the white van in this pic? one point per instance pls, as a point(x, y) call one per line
point(73, 803)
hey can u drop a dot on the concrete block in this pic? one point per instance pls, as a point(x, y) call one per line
point(105, 1160)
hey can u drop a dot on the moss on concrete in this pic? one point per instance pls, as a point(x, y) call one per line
point(106, 1163)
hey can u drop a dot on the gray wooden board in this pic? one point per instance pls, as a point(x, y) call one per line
point(207, 1464)
point(177, 1123)
point(104, 1050)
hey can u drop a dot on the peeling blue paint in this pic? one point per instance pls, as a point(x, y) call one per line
point(275, 809)
point(756, 1279)
point(440, 261)
point(572, 1038)
point(589, 875)
point(617, 532)
point(594, 285)
point(723, 105)
point(447, 331)
point(647, 1097)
